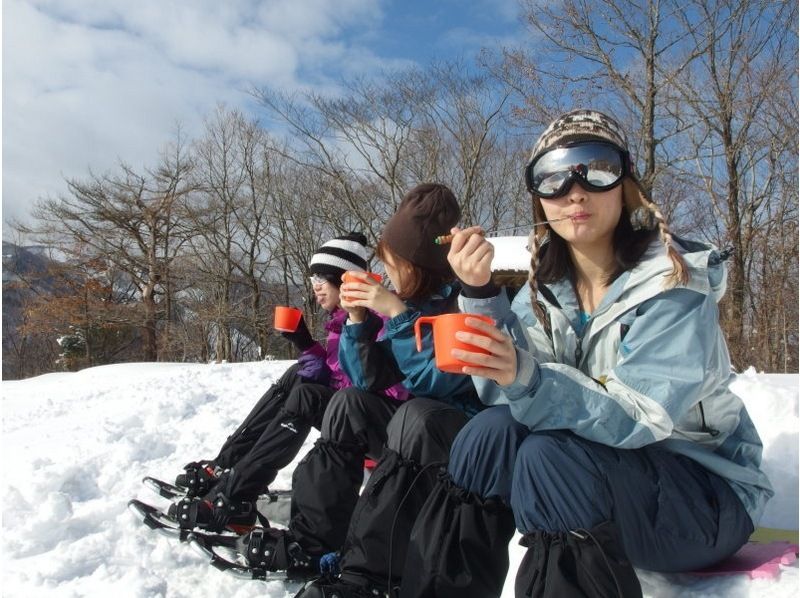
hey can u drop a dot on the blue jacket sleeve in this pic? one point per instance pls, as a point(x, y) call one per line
point(420, 375)
point(422, 378)
point(368, 363)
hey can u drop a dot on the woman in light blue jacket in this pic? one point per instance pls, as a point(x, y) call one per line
point(613, 440)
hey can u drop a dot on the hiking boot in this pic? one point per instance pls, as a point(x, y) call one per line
point(215, 515)
point(198, 477)
point(274, 549)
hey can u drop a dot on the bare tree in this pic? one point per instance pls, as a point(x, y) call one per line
point(125, 219)
point(381, 137)
point(615, 55)
point(741, 53)
point(692, 81)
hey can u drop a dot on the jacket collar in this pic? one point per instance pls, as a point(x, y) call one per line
point(646, 280)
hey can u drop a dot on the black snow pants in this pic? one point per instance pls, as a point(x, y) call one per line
point(326, 483)
point(417, 449)
point(270, 436)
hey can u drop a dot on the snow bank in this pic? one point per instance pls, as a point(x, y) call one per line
point(76, 446)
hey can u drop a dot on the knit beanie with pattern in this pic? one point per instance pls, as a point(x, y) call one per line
point(339, 255)
point(579, 125)
point(426, 212)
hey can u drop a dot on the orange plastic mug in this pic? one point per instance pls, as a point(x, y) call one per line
point(444, 338)
point(350, 277)
point(287, 318)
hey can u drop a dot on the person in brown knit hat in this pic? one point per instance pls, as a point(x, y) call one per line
point(418, 434)
point(612, 440)
point(367, 534)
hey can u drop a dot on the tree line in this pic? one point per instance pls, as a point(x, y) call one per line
point(184, 261)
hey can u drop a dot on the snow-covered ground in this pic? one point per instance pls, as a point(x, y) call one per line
point(75, 447)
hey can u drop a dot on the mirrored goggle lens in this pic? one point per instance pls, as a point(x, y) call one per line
point(600, 166)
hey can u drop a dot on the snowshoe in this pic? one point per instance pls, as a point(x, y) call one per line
point(173, 492)
point(163, 488)
point(264, 553)
point(162, 522)
point(157, 520)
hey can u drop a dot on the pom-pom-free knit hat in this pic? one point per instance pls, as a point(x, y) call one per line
point(426, 212)
point(339, 255)
point(579, 125)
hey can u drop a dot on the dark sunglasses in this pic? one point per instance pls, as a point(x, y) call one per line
point(595, 165)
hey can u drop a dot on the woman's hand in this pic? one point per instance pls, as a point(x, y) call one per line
point(471, 256)
point(368, 294)
point(500, 365)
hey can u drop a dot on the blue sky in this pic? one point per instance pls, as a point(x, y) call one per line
point(89, 82)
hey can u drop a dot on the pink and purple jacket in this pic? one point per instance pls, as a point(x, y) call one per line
point(339, 378)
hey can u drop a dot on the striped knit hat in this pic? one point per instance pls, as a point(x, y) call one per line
point(339, 255)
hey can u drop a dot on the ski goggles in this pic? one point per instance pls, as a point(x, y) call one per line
point(595, 165)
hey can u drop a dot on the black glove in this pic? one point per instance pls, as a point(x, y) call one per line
point(301, 337)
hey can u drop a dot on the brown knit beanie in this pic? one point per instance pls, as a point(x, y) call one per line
point(427, 211)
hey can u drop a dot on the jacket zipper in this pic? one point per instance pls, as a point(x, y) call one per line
point(704, 427)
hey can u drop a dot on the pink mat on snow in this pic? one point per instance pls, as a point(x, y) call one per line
point(757, 560)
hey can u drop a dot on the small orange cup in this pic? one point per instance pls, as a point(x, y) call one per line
point(349, 277)
point(444, 338)
point(287, 318)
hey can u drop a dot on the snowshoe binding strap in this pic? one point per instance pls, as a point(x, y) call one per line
point(198, 477)
point(192, 512)
point(275, 550)
point(238, 516)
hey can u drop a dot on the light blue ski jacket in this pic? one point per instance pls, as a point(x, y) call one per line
point(650, 366)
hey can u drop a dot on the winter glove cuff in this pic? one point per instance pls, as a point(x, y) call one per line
point(301, 337)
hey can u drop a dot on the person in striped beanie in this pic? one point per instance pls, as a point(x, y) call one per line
point(221, 493)
point(327, 265)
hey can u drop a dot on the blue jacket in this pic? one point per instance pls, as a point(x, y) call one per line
point(650, 366)
point(375, 364)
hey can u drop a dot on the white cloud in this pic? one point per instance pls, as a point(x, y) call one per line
point(86, 82)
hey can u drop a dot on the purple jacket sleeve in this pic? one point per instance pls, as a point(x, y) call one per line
point(334, 325)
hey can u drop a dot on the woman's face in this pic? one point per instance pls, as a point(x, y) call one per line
point(592, 216)
point(326, 293)
point(395, 270)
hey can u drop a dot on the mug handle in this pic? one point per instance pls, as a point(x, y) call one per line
point(417, 332)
